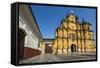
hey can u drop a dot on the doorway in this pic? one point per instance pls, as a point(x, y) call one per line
point(21, 41)
point(73, 48)
point(48, 48)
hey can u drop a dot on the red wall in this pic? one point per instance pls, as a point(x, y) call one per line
point(29, 52)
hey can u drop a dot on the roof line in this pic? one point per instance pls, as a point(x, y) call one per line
point(35, 20)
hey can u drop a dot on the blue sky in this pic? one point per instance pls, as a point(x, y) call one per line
point(49, 17)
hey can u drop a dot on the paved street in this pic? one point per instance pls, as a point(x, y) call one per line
point(77, 57)
point(61, 57)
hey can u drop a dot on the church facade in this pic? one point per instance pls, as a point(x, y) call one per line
point(73, 36)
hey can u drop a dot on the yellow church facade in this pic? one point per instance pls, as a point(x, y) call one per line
point(72, 36)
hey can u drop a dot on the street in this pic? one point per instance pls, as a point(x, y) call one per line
point(60, 58)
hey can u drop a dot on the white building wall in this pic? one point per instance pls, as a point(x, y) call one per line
point(30, 40)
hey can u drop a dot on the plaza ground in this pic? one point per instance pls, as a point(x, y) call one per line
point(59, 58)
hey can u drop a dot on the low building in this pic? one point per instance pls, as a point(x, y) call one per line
point(46, 46)
point(29, 33)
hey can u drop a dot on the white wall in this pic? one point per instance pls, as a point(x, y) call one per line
point(5, 34)
point(30, 39)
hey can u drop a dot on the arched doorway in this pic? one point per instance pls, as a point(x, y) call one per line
point(73, 48)
point(21, 41)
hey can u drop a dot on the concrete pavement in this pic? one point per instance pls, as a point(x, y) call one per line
point(60, 58)
point(41, 58)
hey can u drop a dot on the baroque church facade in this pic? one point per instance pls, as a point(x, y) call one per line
point(72, 36)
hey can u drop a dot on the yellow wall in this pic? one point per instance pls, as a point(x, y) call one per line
point(63, 39)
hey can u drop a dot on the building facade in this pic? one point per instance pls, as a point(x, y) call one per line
point(29, 34)
point(46, 46)
point(72, 36)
